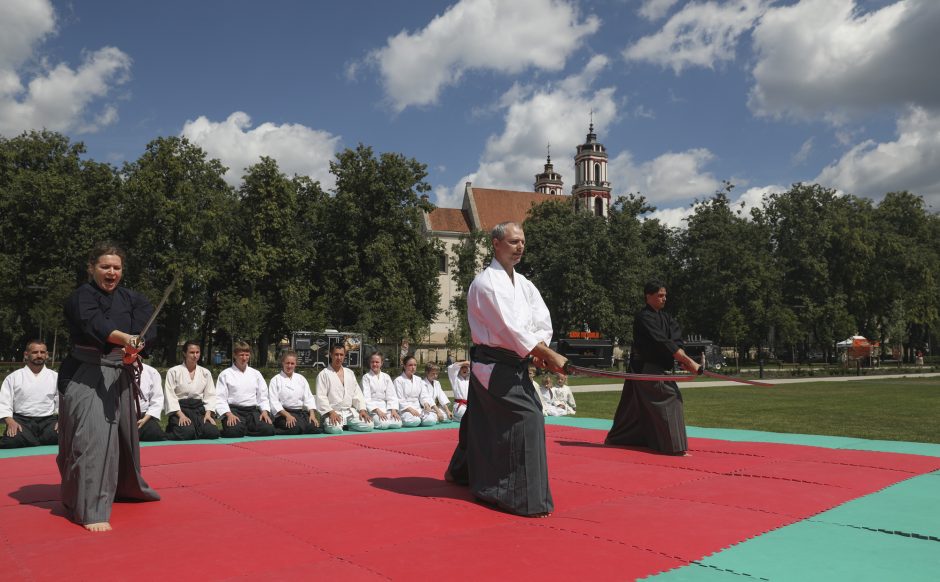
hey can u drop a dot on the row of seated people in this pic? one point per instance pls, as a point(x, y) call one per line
point(242, 401)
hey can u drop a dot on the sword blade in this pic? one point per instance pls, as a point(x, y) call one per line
point(156, 312)
point(629, 376)
point(732, 379)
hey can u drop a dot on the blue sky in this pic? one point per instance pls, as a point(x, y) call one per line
point(685, 94)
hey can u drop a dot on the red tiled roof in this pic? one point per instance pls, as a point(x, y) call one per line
point(495, 206)
point(448, 220)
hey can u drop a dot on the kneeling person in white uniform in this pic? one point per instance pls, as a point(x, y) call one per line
point(29, 402)
point(292, 401)
point(459, 375)
point(414, 397)
point(441, 405)
point(380, 395)
point(151, 405)
point(340, 401)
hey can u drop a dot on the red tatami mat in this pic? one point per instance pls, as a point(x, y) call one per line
point(375, 507)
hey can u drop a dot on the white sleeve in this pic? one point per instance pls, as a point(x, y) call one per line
point(390, 391)
point(358, 399)
point(309, 401)
point(209, 398)
point(172, 403)
point(399, 384)
point(453, 371)
point(273, 398)
point(221, 394)
point(541, 318)
point(322, 397)
point(156, 390)
point(439, 395)
point(6, 397)
point(55, 401)
point(427, 393)
point(261, 392)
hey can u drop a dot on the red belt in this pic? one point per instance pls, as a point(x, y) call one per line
point(459, 401)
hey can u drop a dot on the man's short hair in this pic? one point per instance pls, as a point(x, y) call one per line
point(337, 346)
point(653, 286)
point(35, 341)
point(499, 231)
point(239, 347)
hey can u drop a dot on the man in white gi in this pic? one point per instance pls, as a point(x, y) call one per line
point(459, 375)
point(414, 397)
point(439, 401)
point(190, 398)
point(501, 451)
point(292, 401)
point(340, 401)
point(380, 394)
point(29, 402)
point(242, 398)
point(151, 405)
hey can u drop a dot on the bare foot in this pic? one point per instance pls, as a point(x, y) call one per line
point(100, 526)
point(541, 515)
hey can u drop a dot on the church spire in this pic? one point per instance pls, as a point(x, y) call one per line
point(549, 181)
point(591, 189)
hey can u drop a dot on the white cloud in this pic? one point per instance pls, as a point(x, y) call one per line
point(829, 59)
point(911, 162)
point(805, 150)
point(655, 9)
point(557, 114)
point(701, 34)
point(57, 97)
point(751, 198)
point(670, 177)
point(296, 148)
point(507, 37)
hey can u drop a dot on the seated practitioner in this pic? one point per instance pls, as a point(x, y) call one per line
point(29, 402)
point(242, 398)
point(564, 394)
point(380, 394)
point(414, 397)
point(190, 398)
point(549, 407)
point(151, 405)
point(459, 375)
point(292, 401)
point(339, 399)
point(441, 405)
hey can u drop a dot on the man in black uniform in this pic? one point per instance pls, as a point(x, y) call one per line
point(650, 413)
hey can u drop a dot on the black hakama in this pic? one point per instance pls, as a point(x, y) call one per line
point(302, 426)
point(34, 431)
point(501, 452)
point(249, 423)
point(198, 428)
point(650, 415)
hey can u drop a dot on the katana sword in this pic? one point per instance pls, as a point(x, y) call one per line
point(572, 369)
point(153, 317)
point(705, 372)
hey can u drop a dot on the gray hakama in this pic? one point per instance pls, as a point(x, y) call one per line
point(99, 451)
point(501, 452)
point(650, 415)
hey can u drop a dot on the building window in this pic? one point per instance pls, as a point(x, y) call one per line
point(598, 207)
point(442, 263)
point(597, 173)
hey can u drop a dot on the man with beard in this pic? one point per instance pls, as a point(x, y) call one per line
point(29, 402)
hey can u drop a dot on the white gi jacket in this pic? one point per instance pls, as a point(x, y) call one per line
point(290, 392)
point(180, 386)
point(437, 393)
point(379, 391)
point(29, 394)
point(151, 392)
point(506, 313)
point(460, 386)
point(341, 396)
point(412, 393)
point(241, 389)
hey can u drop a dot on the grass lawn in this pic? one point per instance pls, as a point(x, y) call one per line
point(898, 410)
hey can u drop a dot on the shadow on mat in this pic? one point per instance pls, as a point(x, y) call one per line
point(421, 487)
point(44, 494)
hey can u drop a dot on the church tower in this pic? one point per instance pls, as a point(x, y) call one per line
point(591, 189)
point(549, 181)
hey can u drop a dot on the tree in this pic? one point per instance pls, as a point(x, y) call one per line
point(178, 218)
point(382, 274)
point(472, 253)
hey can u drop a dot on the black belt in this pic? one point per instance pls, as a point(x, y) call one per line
point(491, 354)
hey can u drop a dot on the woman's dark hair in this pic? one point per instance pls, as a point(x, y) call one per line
point(653, 286)
point(105, 248)
point(191, 343)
